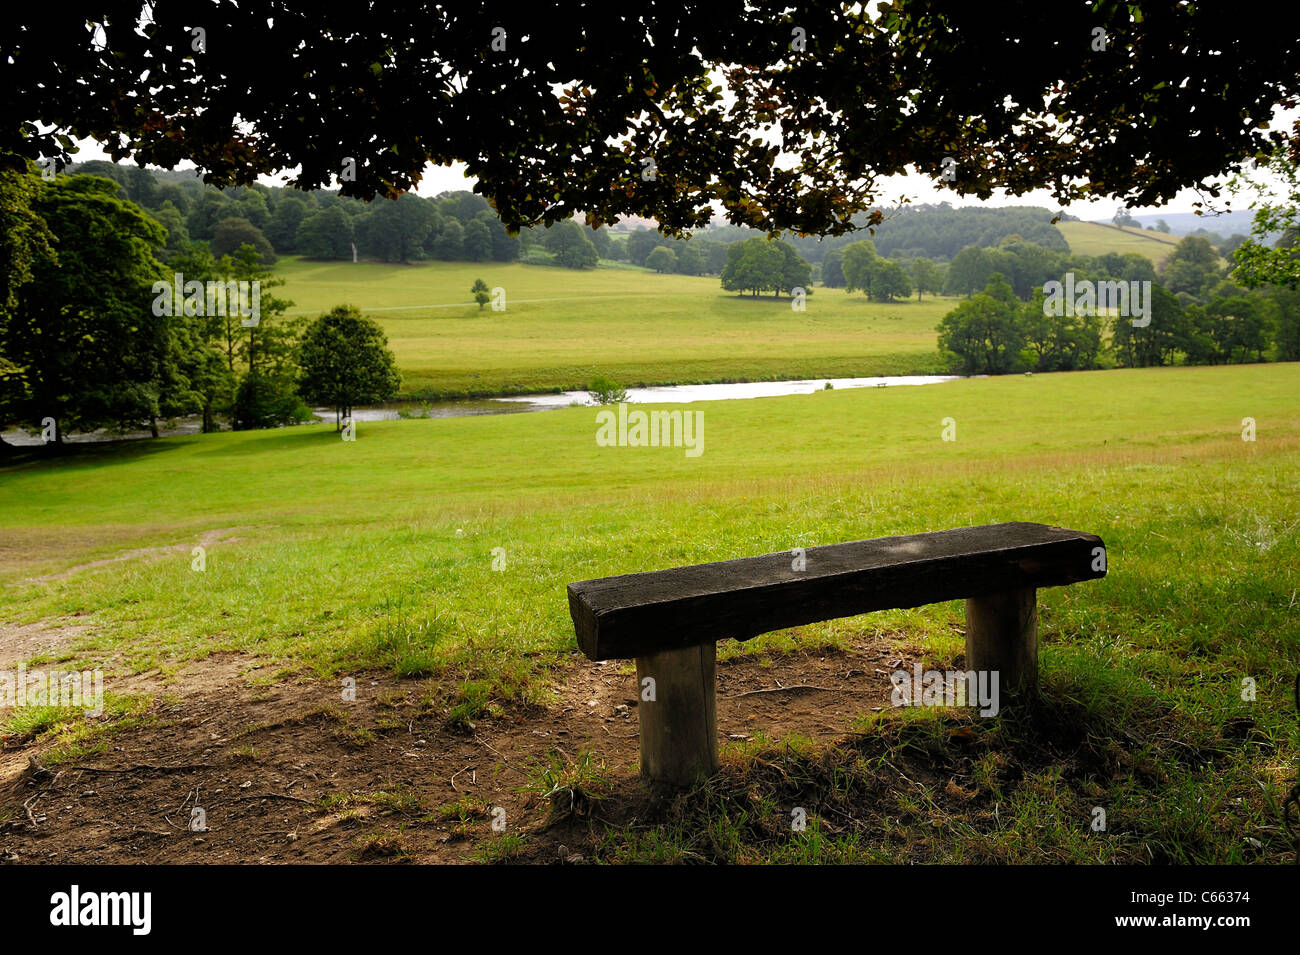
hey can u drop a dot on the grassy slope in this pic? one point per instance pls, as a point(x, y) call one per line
point(561, 328)
point(379, 552)
point(1090, 238)
point(538, 484)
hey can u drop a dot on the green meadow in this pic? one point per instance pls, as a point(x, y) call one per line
point(379, 553)
point(326, 556)
point(561, 328)
point(1091, 238)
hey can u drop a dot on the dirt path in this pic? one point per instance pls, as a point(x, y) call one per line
point(294, 773)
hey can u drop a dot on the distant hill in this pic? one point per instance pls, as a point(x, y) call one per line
point(1185, 223)
point(933, 231)
point(1095, 238)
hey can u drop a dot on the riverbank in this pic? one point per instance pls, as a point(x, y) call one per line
point(470, 407)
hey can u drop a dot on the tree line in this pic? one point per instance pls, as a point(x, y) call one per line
point(455, 226)
point(101, 326)
point(462, 226)
point(1201, 310)
point(321, 224)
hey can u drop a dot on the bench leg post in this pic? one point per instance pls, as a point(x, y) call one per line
point(679, 727)
point(1002, 637)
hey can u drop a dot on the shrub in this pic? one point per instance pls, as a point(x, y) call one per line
point(606, 392)
point(263, 402)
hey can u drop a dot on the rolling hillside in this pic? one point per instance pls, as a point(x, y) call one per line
point(562, 328)
point(1093, 238)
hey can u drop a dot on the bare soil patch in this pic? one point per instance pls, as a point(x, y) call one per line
point(19, 642)
point(294, 773)
point(223, 535)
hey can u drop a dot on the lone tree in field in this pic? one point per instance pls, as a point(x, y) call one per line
point(482, 295)
point(661, 259)
point(879, 278)
point(926, 276)
point(753, 265)
point(1181, 94)
point(758, 264)
point(1124, 218)
point(344, 361)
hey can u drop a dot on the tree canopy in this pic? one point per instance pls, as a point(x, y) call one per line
point(571, 248)
point(85, 348)
point(661, 259)
point(1257, 263)
point(879, 278)
point(760, 265)
point(345, 362)
point(618, 111)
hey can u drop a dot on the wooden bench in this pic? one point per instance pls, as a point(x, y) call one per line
point(670, 620)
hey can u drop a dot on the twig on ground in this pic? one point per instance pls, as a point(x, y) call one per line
point(504, 761)
point(453, 779)
point(27, 806)
point(784, 689)
point(137, 767)
point(307, 802)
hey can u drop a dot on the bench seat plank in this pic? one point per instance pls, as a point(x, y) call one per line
point(637, 614)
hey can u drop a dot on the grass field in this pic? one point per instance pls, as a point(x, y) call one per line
point(562, 328)
point(1091, 238)
point(379, 553)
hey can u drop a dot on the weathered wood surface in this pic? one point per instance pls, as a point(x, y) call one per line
point(637, 614)
point(1002, 638)
point(679, 727)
